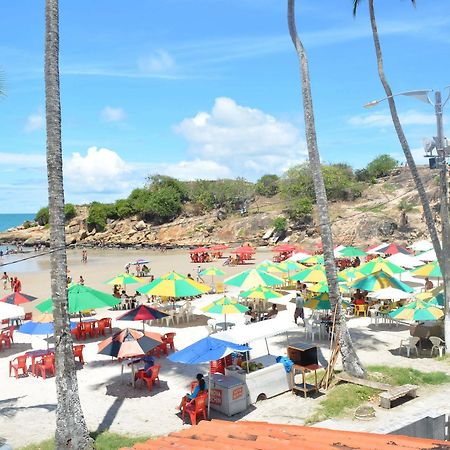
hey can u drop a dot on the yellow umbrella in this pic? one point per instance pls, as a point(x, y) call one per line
point(314, 259)
point(431, 270)
point(430, 294)
point(315, 274)
point(124, 279)
point(323, 287)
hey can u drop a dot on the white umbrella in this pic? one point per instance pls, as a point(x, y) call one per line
point(422, 246)
point(390, 293)
point(8, 311)
point(409, 279)
point(406, 261)
point(298, 256)
point(428, 256)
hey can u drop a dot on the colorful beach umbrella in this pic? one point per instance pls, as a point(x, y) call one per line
point(351, 252)
point(173, 284)
point(212, 272)
point(321, 302)
point(379, 280)
point(418, 310)
point(129, 343)
point(225, 305)
point(290, 266)
point(323, 287)
point(43, 325)
point(390, 293)
point(428, 295)
point(392, 249)
point(315, 274)
point(349, 274)
point(143, 312)
point(430, 270)
point(261, 293)
point(314, 259)
point(252, 278)
point(281, 248)
point(124, 279)
point(377, 264)
point(219, 247)
point(17, 298)
point(82, 298)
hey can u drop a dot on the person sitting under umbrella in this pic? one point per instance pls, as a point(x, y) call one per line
point(146, 372)
point(200, 387)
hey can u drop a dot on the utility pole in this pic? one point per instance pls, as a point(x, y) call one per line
point(441, 151)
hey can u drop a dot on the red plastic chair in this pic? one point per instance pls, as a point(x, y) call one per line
point(28, 316)
point(46, 363)
point(168, 340)
point(163, 348)
point(4, 338)
point(196, 407)
point(5, 322)
point(107, 323)
point(78, 352)
point(89, 329)
point(21, 364)
point(141, 375)
point(77, 332)
point(10, 332)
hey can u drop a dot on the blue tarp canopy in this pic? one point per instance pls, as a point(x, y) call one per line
point(206, 350)
point(43, 328)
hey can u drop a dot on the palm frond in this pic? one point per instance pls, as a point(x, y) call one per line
point(355, 6)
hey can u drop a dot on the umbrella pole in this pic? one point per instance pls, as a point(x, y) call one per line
point(267, 346)
point(143, 327)
point(225, 322)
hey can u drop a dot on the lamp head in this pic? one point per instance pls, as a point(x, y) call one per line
point(371, 104)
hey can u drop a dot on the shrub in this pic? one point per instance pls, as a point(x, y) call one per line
point(156, 182)
point(280, 224)
point(300, 210)
point(69, 211)
point(42, 216)
point(163, 205)
point(98, 215)
point(268, 185)
point(124, 208)
point(29, 224)
point(381, 166)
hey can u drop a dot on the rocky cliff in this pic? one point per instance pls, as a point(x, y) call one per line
point(376, 216)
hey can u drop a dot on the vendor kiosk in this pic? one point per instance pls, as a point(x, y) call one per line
point(228, 394)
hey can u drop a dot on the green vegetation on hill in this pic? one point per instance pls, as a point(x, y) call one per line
point(42, 216)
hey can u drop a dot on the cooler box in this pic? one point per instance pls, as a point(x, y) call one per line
point(227, 394)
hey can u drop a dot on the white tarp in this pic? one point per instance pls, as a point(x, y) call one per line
point(244, 334)
point(299, 256)
point(406, 261)
point(390, 293)
point(422, 246)
point(8, 311)
point(428, 256)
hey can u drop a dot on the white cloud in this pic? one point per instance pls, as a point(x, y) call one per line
point(25, 160)
point(158, 62)
point(100, 170)
point(383, 119)
point(110, 114)
point(34, 122)
point(243, 138)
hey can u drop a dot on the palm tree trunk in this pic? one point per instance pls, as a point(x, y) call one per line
point(71, 430)
point(402, 138)
point(415, 174)
point(350, 359)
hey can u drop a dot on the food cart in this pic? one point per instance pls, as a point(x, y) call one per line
point(263, 376)
point(227, 394)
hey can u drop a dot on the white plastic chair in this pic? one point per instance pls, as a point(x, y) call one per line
point(248, 319)
point(410, 344)
point(188, 312)
point(438, 345)
point(310, 329)
point(169, 318)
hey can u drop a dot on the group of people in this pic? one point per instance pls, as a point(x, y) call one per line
point(13, 283)
point(201, 257)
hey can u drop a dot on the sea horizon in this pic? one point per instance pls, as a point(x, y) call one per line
point(10, 220)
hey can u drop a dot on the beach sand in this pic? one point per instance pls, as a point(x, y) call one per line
point(109, 401)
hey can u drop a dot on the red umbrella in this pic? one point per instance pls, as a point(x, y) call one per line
point(199, 250)
point(244, 249)
point(284, 248)
point(17, 298)
point(143, 312)
point(393, 249)
point(129, 343)
point(219, 247)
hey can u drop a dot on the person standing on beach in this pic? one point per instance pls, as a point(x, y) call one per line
point(299, 311)
point(199, 277)
point(11, 283)
point(17, 285)
point(81, 280)
point(84, 256)
point(5, 279)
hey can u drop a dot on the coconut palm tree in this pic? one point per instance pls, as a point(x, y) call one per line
point(71, 430)
point(350, 359)
point(428, 215)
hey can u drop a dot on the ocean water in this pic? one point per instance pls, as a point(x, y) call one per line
point(12, 220)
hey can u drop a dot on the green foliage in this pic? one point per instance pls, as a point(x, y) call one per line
point(406, 206)
point(201, 193)
point(124, 208)
point(98, 215)
point(300, 210)
point(280, 224)
point(162, 205)
point(405, 375)
point(156, 182)
point(69, 211)
point(268, 185)
point(103, 441)
point(381, 166)
point(28, 224)
point(42, 216)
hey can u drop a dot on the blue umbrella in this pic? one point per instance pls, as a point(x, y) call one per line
point(206, 350)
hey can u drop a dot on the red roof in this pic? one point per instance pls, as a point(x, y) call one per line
point(223, 435)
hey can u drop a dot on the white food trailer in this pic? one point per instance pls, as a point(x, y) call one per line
point(270, 380)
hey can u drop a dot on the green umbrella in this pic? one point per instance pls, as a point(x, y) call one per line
point(377, 264)
point(123, 279)
point(173, 284)
point(379, 280)
point(321, 302)
point(213, 272)
point(82, 298)
point(418, 310)
point(323, 287)
point(430, 270)
point(261, 292)
point(348, 274)
point(225, 305)
point(252, 278)
point(351, 252)
point(315, 274)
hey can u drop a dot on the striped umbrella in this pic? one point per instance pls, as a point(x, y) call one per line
point(129, 343)
point(351, 252)
point(418, 310)
point(379, 280)
point(261, 293)
point(143, 312)
point(123, 279)
point(314, 259)
point(252, 278)
point(323, 287)
point(321, 302)
point(17, 298)
point(428, 295)
point(225, 305)
point(82, 298)
point(315, 274)
point(173, 284)
point(392, 249)
point(213, 272)
point(349, 274)
point(430, 270)
point(378, 264)
point(290, 266)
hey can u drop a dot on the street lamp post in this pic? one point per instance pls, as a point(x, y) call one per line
point(444, 258)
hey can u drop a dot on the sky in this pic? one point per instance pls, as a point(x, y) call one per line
point(208, 89)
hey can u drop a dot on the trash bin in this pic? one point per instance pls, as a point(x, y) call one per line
point(228, 394)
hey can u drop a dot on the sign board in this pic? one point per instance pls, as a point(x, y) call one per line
point(216, 396)
point(237, 393)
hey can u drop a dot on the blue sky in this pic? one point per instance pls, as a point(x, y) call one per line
point(207, 89)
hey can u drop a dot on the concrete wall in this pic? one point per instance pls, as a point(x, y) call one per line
point(427, 427)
